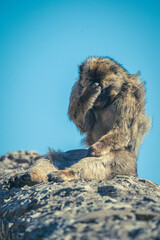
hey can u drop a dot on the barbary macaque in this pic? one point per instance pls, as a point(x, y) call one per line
point(107, 104)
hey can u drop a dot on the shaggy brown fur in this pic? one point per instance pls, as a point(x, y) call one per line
point(107, 104)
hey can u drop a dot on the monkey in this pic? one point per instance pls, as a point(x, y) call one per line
point(107, 104)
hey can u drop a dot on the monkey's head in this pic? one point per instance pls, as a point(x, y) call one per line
point(110, 75)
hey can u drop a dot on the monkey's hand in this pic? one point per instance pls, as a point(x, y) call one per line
point(89, 95)
point(112, 141)
point(98, 149)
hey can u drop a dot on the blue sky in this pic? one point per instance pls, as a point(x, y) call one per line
point(41, 45)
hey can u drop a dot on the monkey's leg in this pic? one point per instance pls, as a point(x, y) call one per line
point(39, 172)
point(87, 168)
point(105, 167)
point(36, 174)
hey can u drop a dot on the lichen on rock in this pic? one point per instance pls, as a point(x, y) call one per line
point(121, 208)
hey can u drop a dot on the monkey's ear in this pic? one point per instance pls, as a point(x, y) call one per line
point(138, 73)
point(136, 76)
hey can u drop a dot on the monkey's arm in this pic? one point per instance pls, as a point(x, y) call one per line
point(119, 136)
point(81, 102)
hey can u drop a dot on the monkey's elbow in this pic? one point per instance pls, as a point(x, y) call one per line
point(71, 115)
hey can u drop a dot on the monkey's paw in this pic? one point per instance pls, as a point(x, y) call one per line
point(94, 88)
point(21, 180)
point(61, 176)
point(91, 91)
point(97, 150)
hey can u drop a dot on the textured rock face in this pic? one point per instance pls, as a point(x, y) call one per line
point(120, 208)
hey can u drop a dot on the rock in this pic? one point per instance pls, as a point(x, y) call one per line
point(120, 208)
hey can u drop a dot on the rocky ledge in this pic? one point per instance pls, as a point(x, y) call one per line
point(120, 208)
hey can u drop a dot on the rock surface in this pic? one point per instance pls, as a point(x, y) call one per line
point(120, 208)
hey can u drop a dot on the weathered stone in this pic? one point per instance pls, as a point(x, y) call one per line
point(120, 208)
